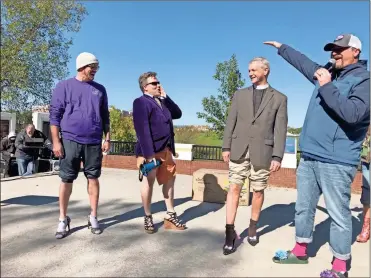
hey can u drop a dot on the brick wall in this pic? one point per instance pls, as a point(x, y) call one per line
point(284, 178)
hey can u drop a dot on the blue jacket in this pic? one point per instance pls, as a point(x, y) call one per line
point(338, 114)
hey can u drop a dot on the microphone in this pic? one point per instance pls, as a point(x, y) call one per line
point(329, 66)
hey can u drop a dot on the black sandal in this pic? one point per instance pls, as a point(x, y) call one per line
point(148, 224)
point(173, 222)
point(230, 239)
point(60, 235)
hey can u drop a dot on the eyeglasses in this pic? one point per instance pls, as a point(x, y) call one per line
point(93, 66)
point(154, 83)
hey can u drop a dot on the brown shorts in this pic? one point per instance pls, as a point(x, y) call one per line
point(167, 170)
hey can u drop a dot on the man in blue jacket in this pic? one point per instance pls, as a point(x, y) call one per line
point(153, 115)
point(79, 112)
point(334, 128)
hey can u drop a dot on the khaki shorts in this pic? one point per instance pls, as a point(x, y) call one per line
point(241, 169)
point(167, 170)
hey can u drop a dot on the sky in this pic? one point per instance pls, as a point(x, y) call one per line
point(183, 42)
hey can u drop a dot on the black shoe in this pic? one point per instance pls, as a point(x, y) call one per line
point(230, 240)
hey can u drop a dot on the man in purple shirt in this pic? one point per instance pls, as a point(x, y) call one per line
point(78, 118)
point(153, 115)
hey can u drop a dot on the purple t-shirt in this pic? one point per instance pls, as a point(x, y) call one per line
point(80, 109)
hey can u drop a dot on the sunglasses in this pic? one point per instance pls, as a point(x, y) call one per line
point(93, 66)
point(154, 83)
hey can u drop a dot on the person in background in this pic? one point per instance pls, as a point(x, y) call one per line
point(334, 128)
point(79, 113)
point(7, 151)
point(253, 145)
point(364, 236)
point(25, 153)
point(153, 115)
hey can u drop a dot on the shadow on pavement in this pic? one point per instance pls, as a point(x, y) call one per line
point(321, 234)
point(126, 251)
point(273, 217)
point(199, 210)
point(31, 200)
point(139, 212)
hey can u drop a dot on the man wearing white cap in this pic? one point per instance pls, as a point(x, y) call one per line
point(334, 128)
point(79, 113)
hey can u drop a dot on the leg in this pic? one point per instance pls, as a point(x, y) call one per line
point(259, 182)
point(308, 193)
point(22, 166)
point(166, 174)
point(30, 167)
point(6, 165)
point(146, 195)
point(238, 172)
point(168, 192)
point(92, 159)
point(93, 191)
point(336, 182)
point(69, 168)
point(364, 236)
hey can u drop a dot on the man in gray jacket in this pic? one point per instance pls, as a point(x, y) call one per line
point(253, 144)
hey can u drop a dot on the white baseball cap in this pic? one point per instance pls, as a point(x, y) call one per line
point(85, 59)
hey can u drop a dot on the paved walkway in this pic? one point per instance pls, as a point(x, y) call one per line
point(29, 214)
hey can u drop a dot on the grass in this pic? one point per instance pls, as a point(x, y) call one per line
point(208, 139)
point(188, 135)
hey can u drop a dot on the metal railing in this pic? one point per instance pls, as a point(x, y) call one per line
point(202, 152)
point(122, 148)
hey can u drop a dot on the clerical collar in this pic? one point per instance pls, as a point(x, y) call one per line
point(261, 87)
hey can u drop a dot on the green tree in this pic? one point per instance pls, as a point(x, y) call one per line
point(294, 130)
point(35, 38)
point(23, 118)
point(216, 107)
point(122, 127)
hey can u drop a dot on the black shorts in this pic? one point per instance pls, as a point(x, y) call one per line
point(75, 153)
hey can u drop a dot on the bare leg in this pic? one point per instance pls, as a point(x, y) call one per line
point(257, 203)
point(364, 235)
point(168, 192)
point(93, 190)
point(65, 190)
point(256, 206)
point(172, 221)
point(232, 202)
point(146, 191)
point(233, 197)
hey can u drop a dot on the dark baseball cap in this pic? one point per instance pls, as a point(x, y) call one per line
point(346, 40)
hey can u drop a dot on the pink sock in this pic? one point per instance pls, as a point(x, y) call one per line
point(339, 265)
point(300, 249)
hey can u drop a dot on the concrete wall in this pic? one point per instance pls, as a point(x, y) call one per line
point(38, 118)
point(12, 118)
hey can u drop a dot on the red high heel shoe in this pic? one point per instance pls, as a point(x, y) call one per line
point(364, 236)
